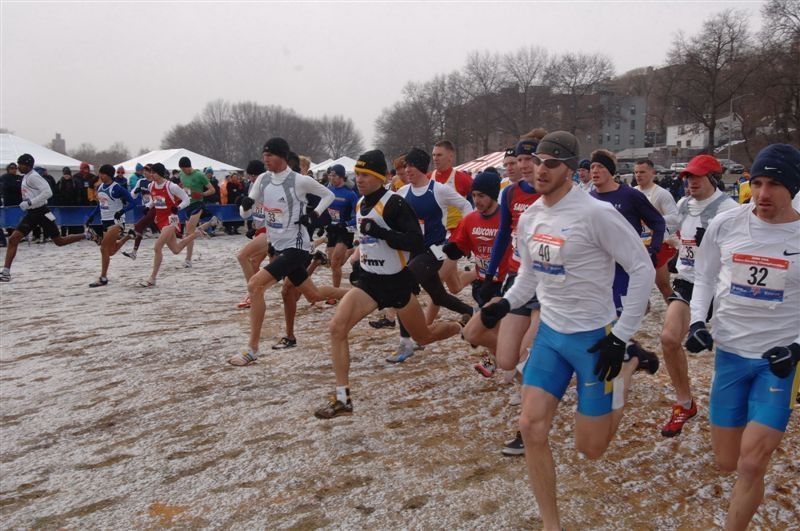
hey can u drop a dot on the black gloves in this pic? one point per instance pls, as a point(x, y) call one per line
point(247, 203)
point(612, 354)
point(782, 359)
point(492, 313)
point(309, 220)
point(371, 228)
point(698, 235)
point(250, 233)
point(118, 214)
point(355, 274)
point(452, 251)
point(487, 290)
point(699, 338)
point(174, 210)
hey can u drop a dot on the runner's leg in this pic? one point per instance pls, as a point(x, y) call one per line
point(191, 225)
point(354, 306)
point(256, 286)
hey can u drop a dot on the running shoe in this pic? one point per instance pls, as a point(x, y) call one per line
point(516, 397)
point(383, 322)
point(244, 304)
point(515, 446)
point(331, 302)
point(187, 264)
point(486, 367)
point(90, 234)
point(401, 355)
point(648, 361)
point(131, 255)
point(679, 417)
point(285, 342)
point(320, 257)
point(5, 276)
point(334, 408)
point(102, 281)
point(240, 360)
point(146, 283)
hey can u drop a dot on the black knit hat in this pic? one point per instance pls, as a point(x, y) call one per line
point(277, 146)
point(780, 162)
point(255, 167)
point(526, 147)
point(418, 159)
point(488, 183)
point(25, 159)
point(184, 162)
point(66, 170)
point(373, 163)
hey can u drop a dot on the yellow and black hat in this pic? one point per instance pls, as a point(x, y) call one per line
point(373, 163)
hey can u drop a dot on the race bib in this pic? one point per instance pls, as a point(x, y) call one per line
point(274, 218)
point(688, 250)
point(103, 200)
point(546, 255)
point(160, 203)
point(174, 220)
point(258, 212)
point(758, 280)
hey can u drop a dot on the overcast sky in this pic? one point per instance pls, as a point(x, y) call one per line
point(110, 71)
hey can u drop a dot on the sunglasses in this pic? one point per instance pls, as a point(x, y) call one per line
point(548, 163)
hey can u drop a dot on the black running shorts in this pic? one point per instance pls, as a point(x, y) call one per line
point(338, 234)
point(389, 291)
point(526, 309)
point(39, 217)
point(291, 264)
point(681, 291)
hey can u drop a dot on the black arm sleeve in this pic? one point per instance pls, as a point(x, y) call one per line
point(405, 234)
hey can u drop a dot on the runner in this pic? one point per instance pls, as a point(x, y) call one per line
point(35, 193)
point(283, 194)
point(388, 232)
point(114, 201)
point(511, 174)
point(256, 250)
point(444, 155)
point(750, 267)
point(568, 243)
point(694, 212)
point(430, 200)
point(584, 177)
point(168, 199)
point(634, 207)
point(197, 186)
point(342, 224)
point(148, 219)
point(662, 200)
point(475, 235)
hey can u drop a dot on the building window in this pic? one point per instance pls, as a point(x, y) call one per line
point(608, 138)
point(688, 143)
point(616, 140)
point(588, 139)
point(679, 143)
point(617, 109)
point(616, 125)
point(631, 140)
point(633, 110)
point(633, 124)
point(601, 139)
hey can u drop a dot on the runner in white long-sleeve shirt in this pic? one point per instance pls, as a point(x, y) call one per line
point(750, 266)
point(568, 244)
point(35, 193)
point(283, 198)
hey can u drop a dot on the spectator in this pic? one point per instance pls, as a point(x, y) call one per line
point(89, 182)
point(213, 199)
point(69, 193)
point(235, 190)
point(11, 182)
point(120, 178)
point(176, 177)
point(137, 174)
point(41, 170)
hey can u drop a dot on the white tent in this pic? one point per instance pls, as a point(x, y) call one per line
point(321, 166)
point(12, 146)
point(170, 157)
point(348, 163)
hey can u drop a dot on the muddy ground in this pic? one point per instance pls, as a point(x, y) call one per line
point(118, 410)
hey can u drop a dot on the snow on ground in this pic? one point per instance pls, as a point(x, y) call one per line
point(118, 410)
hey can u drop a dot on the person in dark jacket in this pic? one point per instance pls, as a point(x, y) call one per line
point(11, 183)
point(70, 193)
point(235, 193)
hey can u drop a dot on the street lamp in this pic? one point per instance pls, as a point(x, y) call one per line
point(730, 122)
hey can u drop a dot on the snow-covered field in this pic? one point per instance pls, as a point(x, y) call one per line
point(119, 411)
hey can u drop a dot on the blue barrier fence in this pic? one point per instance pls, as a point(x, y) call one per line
point(76, 216)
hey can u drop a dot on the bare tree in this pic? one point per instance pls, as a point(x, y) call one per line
point(522, 96)
point(114, 154)
point(484, 77)
point(577, 75)
point(714, 66)
point(339, 136)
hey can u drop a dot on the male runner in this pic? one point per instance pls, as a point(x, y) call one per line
point(749, 265)
point(475, 235)
point(634, 207)
point(694, 213)
point(568, 244)
point(35, 193)
point(662, 200)
point(584, 177)
point(167, 200)
point(444, 155)
point(283, 194)
point(511, 174)
point(342, 224)
point(388, 232)
point(430, 200)
point(197, 186)
point(148, 219)
point(114, 201)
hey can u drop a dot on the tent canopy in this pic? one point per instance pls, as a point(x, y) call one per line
point(481, 163)
point(321, 166)
point(348, 163)
point(12, 146)
point(170, 157)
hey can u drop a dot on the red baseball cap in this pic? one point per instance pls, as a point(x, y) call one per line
point(701, 166)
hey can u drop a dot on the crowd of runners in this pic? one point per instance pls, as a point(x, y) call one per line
point(561, 275)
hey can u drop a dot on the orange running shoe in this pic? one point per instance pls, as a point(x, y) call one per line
point(679, 417)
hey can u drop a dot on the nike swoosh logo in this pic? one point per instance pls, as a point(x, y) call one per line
point(775, 390)
point(589, 384)
point(787, 253)
point(769, 168)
